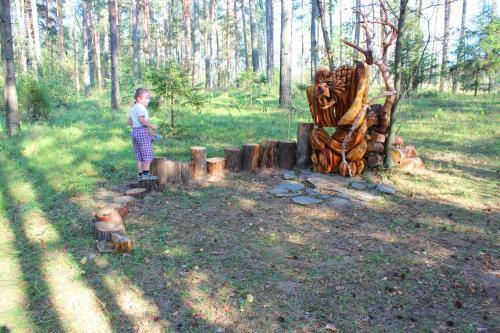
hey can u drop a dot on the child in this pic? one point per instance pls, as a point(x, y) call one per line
point(141, 139)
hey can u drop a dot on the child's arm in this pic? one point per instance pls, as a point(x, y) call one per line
point(146, 123)
point(129, 121)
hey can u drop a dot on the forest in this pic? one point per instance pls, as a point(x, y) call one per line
point(406, 244)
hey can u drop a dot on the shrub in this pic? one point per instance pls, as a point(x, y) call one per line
point(34, 98)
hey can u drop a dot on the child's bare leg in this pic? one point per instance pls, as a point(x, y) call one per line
point(146, 166)
point(140, 166)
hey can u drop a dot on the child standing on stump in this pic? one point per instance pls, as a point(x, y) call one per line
point(141, 139)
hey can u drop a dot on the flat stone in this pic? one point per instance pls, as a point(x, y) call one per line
point(328, 182)
point(287, 194)
point(365, 196)
point(386, 189)
point(291, 186)
point(362, 185)
point(289, 175)
point(340, 203)
point(344, 193)
point(306, 201)
point(312, 192)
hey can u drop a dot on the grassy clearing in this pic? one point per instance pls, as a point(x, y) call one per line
point(230, 256)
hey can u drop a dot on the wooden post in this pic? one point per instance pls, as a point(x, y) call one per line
point(215, 166)
point(186, 168)
point(287, 151)
point(199, 162)
point(304, 149)
point(250, 156)
point(269, 154)
point(232, 156)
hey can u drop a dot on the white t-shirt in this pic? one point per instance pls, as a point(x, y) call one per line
point(138, 110)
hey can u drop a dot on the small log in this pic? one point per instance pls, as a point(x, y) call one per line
point(137, 192)
point(375, 160)
point(121, 243)
point(186, 168)
point(232, 156)
point(269, 154)
point(250, 156)
point(110, 214)
point(377, 137)
point(159, 168)
point(199, 162)
point(375, 147)
point(304, 148)
point(215, 166)
point(104, 230)
point(400, 154)
point(287, 150)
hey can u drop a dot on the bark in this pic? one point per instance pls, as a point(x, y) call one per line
point(48, 45)
point(340, 29)
point(270, 41)
point(357, 28)
point(314, 41)
point(253, 37)
point(304, 149)
point(285, 97)
point(269, 154)
point(245, 39)
point(397, 81)
point(97, 51)
point(9, 70)
point(236, 40)
point(21, 35)
point(460, 45)
point(36, 38)
point(209, 83)
point(197, 43)
point(431, 67)
point(228, 60)
point(105, 54)
point(87, 36)
point(76, 70)
point(31, 43)
point(215, 166)
point(186, 15)
point(60, 32)
point(199, 162)
point(287, 149)
point(113, 34)
point(328, 48)
point(446, 37)
point(146, 26)
point(232, 156)
point(136, 38)
point(330, 16)
point(250, 157)
point(104, 230)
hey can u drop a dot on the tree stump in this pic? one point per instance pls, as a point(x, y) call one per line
point(376, 147)
point(304, 148)
point(186, 168)
point(199, 162)
point(110, 214)
point(400, 154)
point(269, 154)
point(250, 156)
point(232, 155)
point(137, 192)
point(150, 185)
point(287, 150)
point(375, 160)
point(412, 163)
point(215, 166)
point(159, 168)
point(121, 243)
point(104, 230)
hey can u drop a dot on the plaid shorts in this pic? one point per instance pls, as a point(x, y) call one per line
point(143, 147)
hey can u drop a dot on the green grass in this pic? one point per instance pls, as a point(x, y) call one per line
point(397, 266)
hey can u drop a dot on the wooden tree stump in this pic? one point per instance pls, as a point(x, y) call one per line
point(199, 162)
point(104, 230)
point(186, 168)
point(304, 148)
point(215, 166)
point(137, 192)
point(121, 243)
point(232, 155)
point(412, 163)
point(250, 156)
point(269, 154)
point(376, 147)
point(111, 214)
point(400, 154)
point(150, 185)
point(287, 150)
point(159, 168)
point(375, 160)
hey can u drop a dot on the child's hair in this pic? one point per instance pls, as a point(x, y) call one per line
point(139, 92)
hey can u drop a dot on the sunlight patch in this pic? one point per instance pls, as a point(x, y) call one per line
point(38, 229)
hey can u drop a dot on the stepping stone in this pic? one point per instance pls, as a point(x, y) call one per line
point(340, 203)
point(312, 192)
point(289, 175)
point(328, 182)
point(287, 194)
point(291, 186)
point(306, 201)
point(385, 189)
point(362, 186)
point(365, 196)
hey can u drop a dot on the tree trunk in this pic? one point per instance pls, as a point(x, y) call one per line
point(97, 51)
point(269, 154)
point(113, 34)
point(285, 98)
point(460, 46)
point(215, 166)
point(228, 60)
point(397, 81)
point(287, 149)
point(76, 71)
point(9, 70)
point(232, 156)
point(48, 45)
point(136, 38)
point(340, 30)
point(106, 50)
point(236, 41)
point(36, 38)
point(253, 37)
point(314, 41)
point(245, 40)
point(304, 149)
point(446, 37)
point(357, 27)
point(146, 26)
point(104, 230)
point(199, 162)
point(197, 43)
point(186, 15)
point(330, 16)
point(60, 32)
point(209, 83)
point(328, 48)
point(270, 41)
point(250, 154)
point(21, 35)
point(87, 35)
